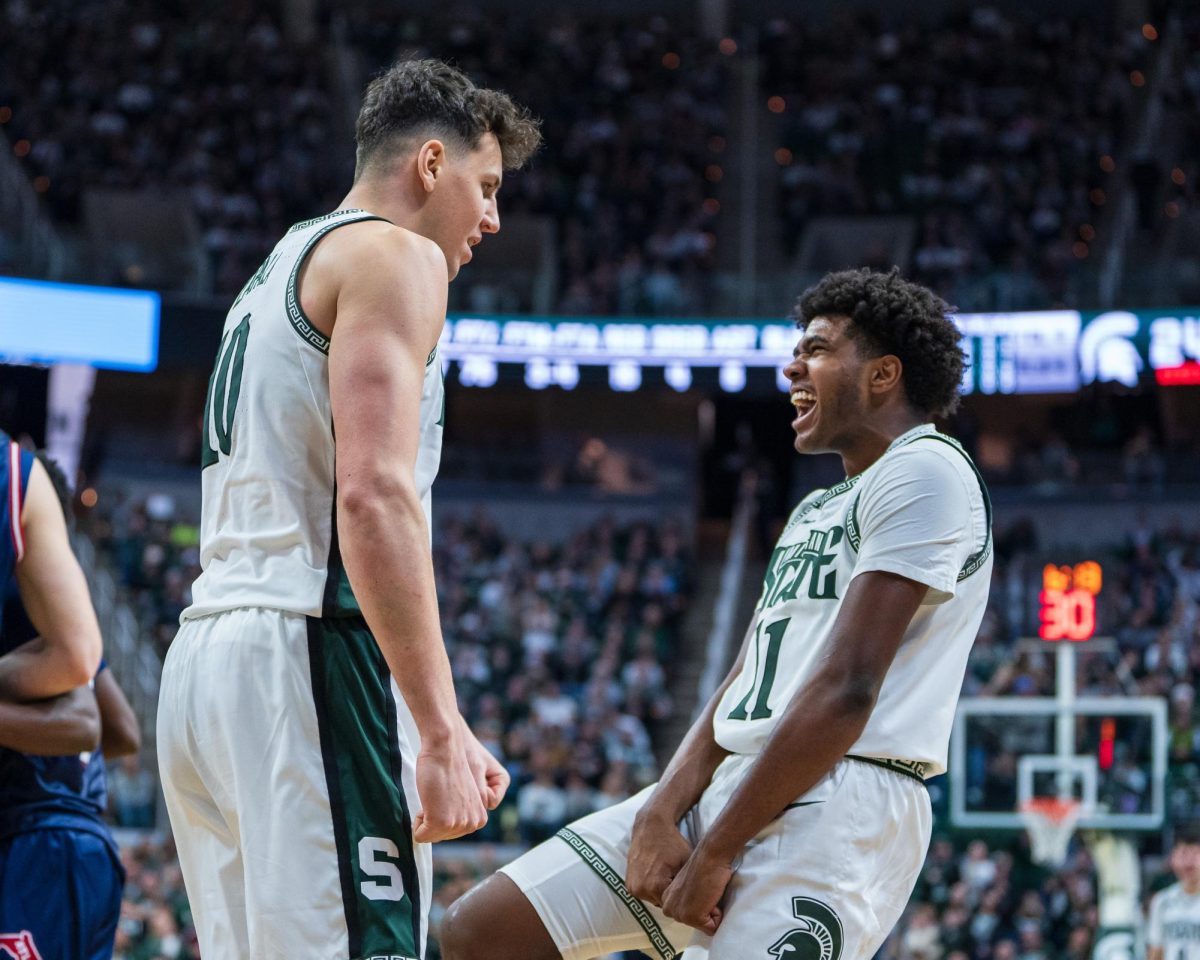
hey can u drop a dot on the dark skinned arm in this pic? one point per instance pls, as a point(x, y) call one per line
point(119, 733)
point(58, 727)
point(823, 720)
point(657, 849)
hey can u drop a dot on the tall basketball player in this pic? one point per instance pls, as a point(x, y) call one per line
point(793, 819)
point(309, 735)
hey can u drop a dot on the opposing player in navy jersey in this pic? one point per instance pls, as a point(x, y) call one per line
point(58, 865)
point(34, 546)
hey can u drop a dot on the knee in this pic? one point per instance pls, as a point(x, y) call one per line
point(460, 933)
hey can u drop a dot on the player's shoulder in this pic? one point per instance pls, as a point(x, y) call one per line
point(372, 256)
point(1167, 895)
point(927, 457)
point(371, 250)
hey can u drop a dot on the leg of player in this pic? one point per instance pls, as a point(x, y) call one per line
point(566, 898)
point(496, 921)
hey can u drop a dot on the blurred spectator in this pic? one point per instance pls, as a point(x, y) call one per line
point(132, 793)
point(949, 122)
point(220, 105)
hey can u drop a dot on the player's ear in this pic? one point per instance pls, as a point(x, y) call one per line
point(431, 160)
point(885, 373)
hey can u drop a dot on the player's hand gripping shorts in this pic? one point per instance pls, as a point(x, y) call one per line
point(827, 880)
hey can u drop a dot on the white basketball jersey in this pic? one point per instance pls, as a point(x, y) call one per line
point(920, 511)
point(1175, 923)
point(268, 533)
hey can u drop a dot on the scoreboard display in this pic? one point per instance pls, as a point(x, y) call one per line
point(1068, 601)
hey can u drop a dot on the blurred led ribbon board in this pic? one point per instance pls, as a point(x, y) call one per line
point(1032, 352)
point(49, 323)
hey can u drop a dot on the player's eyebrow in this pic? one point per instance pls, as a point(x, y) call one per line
point(807, 342)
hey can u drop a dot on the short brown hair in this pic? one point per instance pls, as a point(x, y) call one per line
point(416, 97)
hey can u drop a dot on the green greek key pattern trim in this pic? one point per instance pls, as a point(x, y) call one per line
point(305, 224)
point(834, 491)
point(853, 531)
point(295, 313)
point(913, 769)
point(976, 560)
point(616, 883)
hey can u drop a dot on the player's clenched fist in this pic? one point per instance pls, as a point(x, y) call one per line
point(694, 896)
point(490, 776)
point(451, 803)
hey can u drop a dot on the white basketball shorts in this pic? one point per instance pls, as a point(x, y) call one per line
point(826, 881)
point(287, 760)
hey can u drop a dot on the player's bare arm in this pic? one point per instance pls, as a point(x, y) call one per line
point(390, 308)
point(822, 722)
point(57, 727)
point(120, 735)
point(54, 591)
point(658, 850)
point(1154, 953)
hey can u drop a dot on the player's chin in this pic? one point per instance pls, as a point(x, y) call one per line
point(806, 440)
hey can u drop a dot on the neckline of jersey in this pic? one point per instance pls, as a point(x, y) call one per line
point(348, 211)
point(920, 430)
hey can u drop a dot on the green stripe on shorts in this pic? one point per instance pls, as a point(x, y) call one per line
point(356, 714)
point(604, 870)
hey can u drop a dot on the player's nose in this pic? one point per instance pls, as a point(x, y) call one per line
point(795, 369)
point(491, 218)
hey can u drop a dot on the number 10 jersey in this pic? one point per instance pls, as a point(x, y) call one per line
point(268, 530)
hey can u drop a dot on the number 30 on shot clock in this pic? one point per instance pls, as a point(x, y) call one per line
point(1068, 599)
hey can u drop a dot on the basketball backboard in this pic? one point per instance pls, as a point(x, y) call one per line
point(1006, 750)
point(1109, 754)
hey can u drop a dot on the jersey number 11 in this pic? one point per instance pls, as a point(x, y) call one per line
point(761, 711)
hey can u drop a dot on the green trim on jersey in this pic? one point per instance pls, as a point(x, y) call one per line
point(305, 224)
point(638, 910)
point(356, 717)
point(976, 560)
point(806, 508)
point(295, 313)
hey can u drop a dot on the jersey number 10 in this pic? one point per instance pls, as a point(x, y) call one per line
point(224, 387)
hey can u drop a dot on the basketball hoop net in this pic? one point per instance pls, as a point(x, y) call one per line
point(1050, 822)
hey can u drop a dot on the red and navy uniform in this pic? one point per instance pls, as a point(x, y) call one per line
point(60, 874)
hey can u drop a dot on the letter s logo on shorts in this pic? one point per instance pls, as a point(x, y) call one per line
point(818, 937)
point(19, 946)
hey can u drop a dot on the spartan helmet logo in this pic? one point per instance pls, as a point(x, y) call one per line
point(818, 936)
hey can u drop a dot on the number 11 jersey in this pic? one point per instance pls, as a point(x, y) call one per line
point(920, 511)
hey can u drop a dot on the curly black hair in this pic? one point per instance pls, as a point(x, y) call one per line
point(891, 315)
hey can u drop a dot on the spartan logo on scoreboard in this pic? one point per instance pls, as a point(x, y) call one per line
point(1068, 601)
